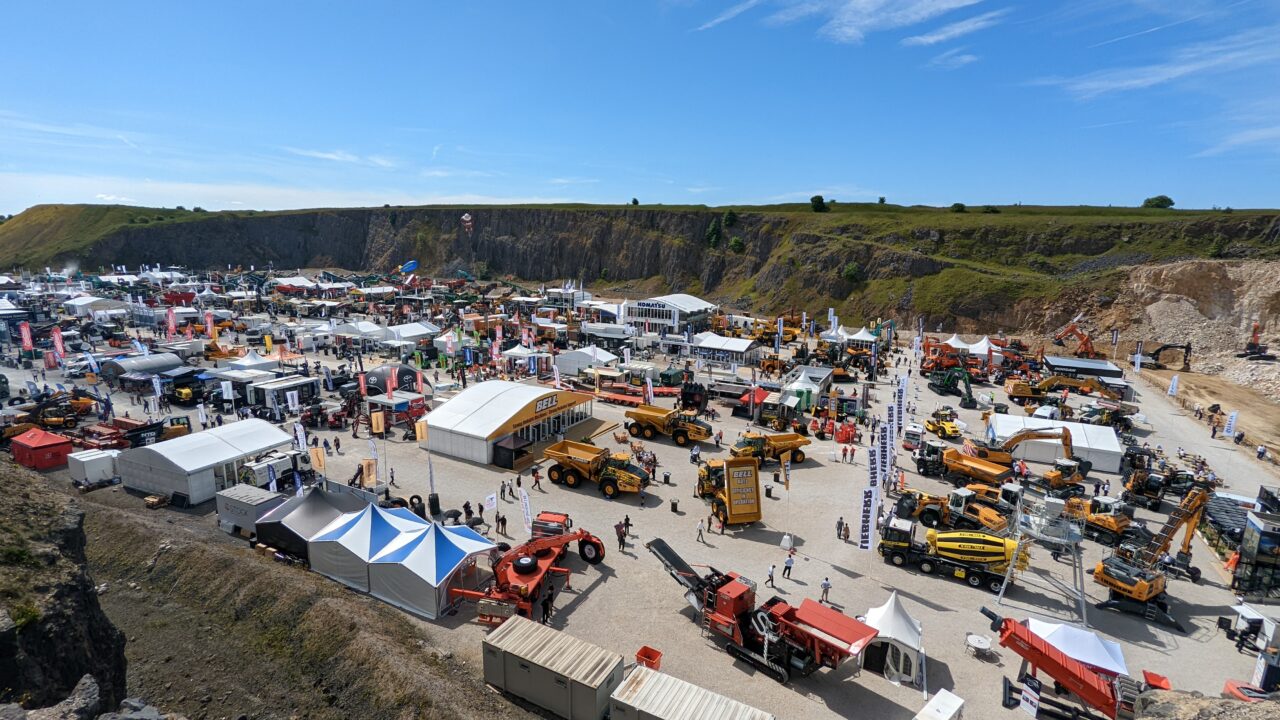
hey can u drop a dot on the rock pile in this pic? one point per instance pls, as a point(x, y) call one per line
point(85, 703)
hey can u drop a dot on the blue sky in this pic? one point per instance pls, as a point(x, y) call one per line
point(304, 104)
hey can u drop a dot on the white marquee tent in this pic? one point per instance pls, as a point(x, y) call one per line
point(982, 347)
point(955, 342)
point(1096, 443)
point(897, 651)
point(1082, 645)
point(343, 549)
point(863, 337)
point(415, 571)
point(253, 361)
point(572, 362)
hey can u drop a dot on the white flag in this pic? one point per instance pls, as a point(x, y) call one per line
point(204, 418)
point(491, 501)
point(292, 397)
point(555, 370)
point(300, 436)
point(528, 510)
point(373, 449)
point(228, 391)
point(1173, 386)
point(1230, 429)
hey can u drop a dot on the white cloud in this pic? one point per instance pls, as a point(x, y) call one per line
point(953, 59)
point(446, 172)
point(958, 29)
point(729, 14)
point(334, 155)
point(113, 198)
point(699, 189)
point(19, 191)
point(435, 151)
point(572, 181)
point(1266, 137)
point(127, 141)
point(1235, 52)
point(850, 21)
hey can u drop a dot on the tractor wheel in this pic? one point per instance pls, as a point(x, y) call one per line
point(681, 438)
point(995, 584)
point(897, 558)
point(634, 429)
point(930, 518)
point(609, 488)
point(1154, 505)
point(974, 579)
point(927, 567)
point(1194, 574)
point(525, 564)
point(648, 432)
point(718, 509)
point(556, 474)
point(797, 456)
point(572, 478)
point(591, 551)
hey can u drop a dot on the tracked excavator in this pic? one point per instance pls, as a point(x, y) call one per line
point(1136, 575)
point(948, 383)
point(1153, 360)
point(782, 640)
point(1002, 453)
point(1084, 343)
point(1254, 349)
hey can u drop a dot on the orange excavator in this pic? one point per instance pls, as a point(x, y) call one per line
point(519, 573)
point(1112, 696)
point(1084, 347)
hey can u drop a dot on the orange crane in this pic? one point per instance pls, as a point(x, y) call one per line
point(519, 573)
point(1084, 346)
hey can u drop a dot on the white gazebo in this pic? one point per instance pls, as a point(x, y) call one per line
point(897, 652)
point(955, 342)
point(253, 361)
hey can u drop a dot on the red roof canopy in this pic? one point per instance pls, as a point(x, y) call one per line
point(761, 394)
point(36, 438)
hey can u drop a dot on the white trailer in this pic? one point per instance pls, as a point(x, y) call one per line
point(241, 506)
point(88, 466)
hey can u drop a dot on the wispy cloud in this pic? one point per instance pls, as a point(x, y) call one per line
point(572, 181)
point(1166, 26)
point(1266, 137)
point(1235, 52)
point(953, 59)
point(104, 197)
point(729, 14)
point(699, 189)
point(435, 151)
point(342, 156)
point(958, 29)
point(127, 141)
point(850, 21)
point(1097, 126)
point(449, 172)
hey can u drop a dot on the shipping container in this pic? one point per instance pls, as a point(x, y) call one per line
point(652, 695)
point(555, 671)
point(240, 506)
point(89, 466)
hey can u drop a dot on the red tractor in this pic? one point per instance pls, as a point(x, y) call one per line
point(520, 574)
point(780, 639)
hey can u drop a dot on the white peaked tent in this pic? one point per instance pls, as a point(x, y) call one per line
point(955, 342)
point(1082, 645)
point(573, 361)
point(980, 349)
point(863, 337)
point(415, 571)
point(836, 335)
point(253, 361)
point(897, 652)
point(343, 549)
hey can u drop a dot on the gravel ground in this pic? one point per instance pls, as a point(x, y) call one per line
point(629, 600)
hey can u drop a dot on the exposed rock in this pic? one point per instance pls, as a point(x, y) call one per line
point(81, 704)
point(1171, 705)
point(53, 633)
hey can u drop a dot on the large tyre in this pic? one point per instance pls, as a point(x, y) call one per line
point(897, 558)
point(556, 474)
point(634, 429)
point(930, 518)
point(572, 478)
point(719, 510)
point(525, 564)
point(927, 567)
point(681, 438)
point(591, 551)
point(797, 456)
point(1105, 537)
point(974, 579)
point(609, 488)
point(995, 584)
point(648, 432)
point(1194, 574)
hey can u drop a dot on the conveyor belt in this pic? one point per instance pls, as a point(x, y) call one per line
point(679, 569)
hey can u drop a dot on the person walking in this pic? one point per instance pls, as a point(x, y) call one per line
point(768, 581)
point(218, 420)
point(845, 535)
point(328, 449)
point(1097, 488)
point(480, 510)
point(502, 490)
point(621, 531)
point(1262, 451)
point(537, 480)
point(844, 453)
point(519, 483)
point(826, 590)
point(700, 521)
point(839, 526)
point(626, 524)
point(786, 566)
point(391, 476)
point(337, 445)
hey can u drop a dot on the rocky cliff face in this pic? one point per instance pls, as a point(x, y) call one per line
point(1167, 705)
point(52, 630)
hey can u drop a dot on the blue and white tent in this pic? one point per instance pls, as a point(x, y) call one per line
point(415, 572)
point(343, 549)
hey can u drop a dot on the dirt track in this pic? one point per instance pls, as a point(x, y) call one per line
point(1259, 417)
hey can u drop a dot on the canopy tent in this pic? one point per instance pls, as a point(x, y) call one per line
point(343, 549)
point(520, 352)
point(803, 390)
point(1105, 656)
point(982, 347)
point(863, 337)
point(760, 393)
point(897, 652)
point(414, 572)
point(572, 362)
point(837, 335)
point(1096, 443)
point(955, 342)
point(297, 281)
point(289, 526)
point(253, 361)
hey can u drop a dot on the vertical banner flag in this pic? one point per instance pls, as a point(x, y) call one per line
point(626, 356)
point(777, 339)
point(271, 477)
point(201, 414)
point(24, 329)
point(155, 384)
point(870, 500)
point(491, 501)
point(1230, 428)
point(448, 343)
point(292, 398)
point(804, 321)
point(171, 319)
point(208, 324)
point(1115, 338)
point(328, 379)
point(431, 476)
point(190, 331)
point(418, 383)
point(228, 392)
point(1173, 386)
point(93, 362)
point(1137, 357)
point(648, 391)
point(300, 436)
point(373, 449)
point(267, 342)
point(527, 509)
point(58, 348)
point(363, 389)
point(555, 370)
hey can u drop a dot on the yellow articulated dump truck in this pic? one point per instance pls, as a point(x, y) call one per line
point(613, 472)
point(770, 447)
point(733, 485)
point(648, 421)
